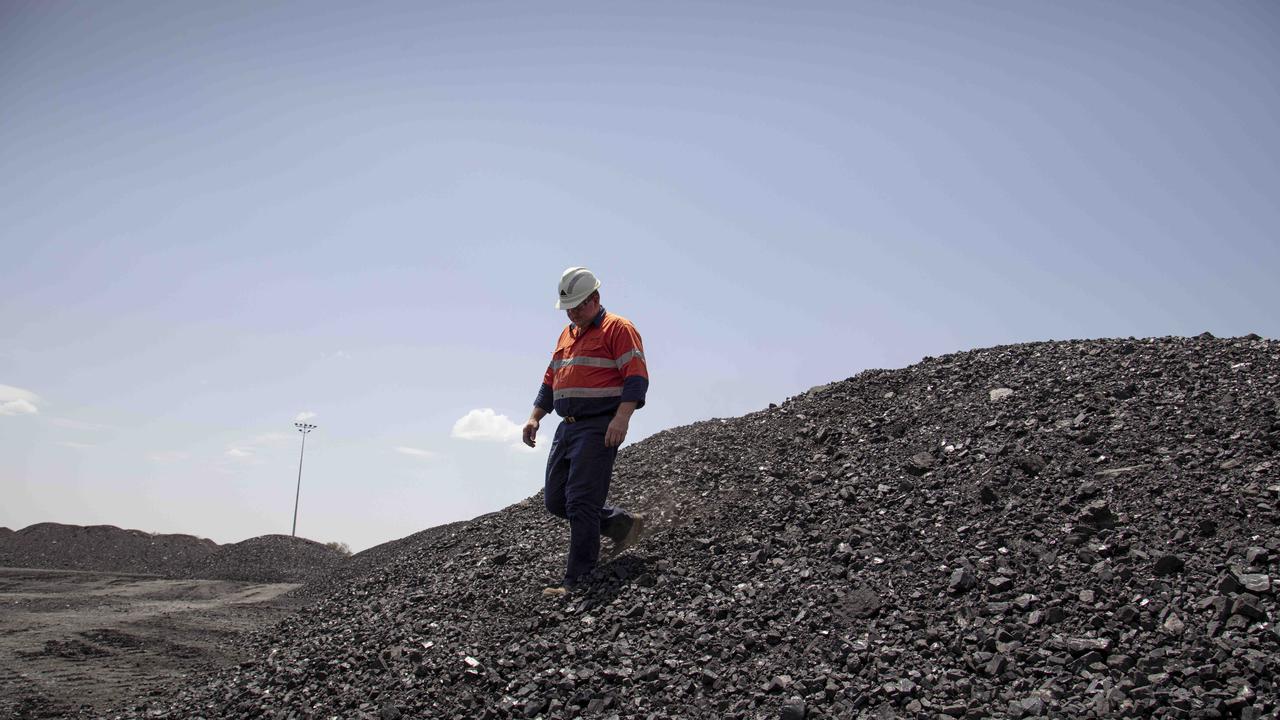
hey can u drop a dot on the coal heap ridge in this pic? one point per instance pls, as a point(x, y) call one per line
point(103, 548)
point(270, 559)
point(107, 548)
point(1069, 529)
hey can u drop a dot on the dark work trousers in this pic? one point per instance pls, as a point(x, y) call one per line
point(578, 471)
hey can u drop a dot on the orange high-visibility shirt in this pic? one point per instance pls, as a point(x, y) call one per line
point(594, 370)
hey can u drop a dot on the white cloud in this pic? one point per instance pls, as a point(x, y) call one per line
point(236, 452)
point(18, 407)
point(415, 452)
point(485, 424)
point(304, 416)
point(75, 445)
point(9, 392)
point(16, 401)
point(167, 456)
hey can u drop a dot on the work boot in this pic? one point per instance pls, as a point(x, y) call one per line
point(635, 529)
point(560, 589)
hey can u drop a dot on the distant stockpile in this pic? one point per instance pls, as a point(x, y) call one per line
point(106, 548)
point(103, 548)
point(1065, 529)
point(270, 559)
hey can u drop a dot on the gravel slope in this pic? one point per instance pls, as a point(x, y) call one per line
point(1065, 529)
point(388, 554)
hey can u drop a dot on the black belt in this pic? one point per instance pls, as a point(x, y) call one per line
point(573, 418)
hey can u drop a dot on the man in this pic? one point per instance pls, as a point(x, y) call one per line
point(597, 378)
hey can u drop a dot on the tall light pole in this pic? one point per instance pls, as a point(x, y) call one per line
point(303, 428)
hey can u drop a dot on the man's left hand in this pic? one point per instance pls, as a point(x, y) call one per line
point(617, 431)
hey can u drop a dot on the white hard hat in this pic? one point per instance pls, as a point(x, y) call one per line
point(576, 285)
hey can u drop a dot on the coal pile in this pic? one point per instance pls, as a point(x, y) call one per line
point(1062, 529)
point(102, 548)
point(270, 559)
point(387, 554)
point(106, 548)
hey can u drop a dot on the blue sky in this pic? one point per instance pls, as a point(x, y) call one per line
point(219, 216)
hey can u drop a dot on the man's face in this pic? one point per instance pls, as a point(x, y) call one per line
point(584, 313)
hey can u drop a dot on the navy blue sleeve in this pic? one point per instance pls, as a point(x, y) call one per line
point(634, 389)
point(544, 398)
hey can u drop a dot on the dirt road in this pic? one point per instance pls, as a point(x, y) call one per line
point(84, 642)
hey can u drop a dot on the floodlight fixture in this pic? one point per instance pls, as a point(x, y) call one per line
point(303, 428)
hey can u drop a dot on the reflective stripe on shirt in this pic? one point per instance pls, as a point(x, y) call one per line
point(560, 393)
point(626, 357)
point(586, 361)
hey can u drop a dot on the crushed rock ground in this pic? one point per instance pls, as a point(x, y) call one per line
point(1056, 529)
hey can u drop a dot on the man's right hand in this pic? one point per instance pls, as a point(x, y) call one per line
point(531, 432)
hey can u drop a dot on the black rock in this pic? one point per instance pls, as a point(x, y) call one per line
point(920, 463)
point(1249, 607)
point(1031, 707)
point(1080, 646)
point(1127, 615)
point(961, 581)
point(1229, 584)
point(793, 709)
point(1098, 515)
point(1031, 464)
point(777, 683)
point(1168, 565)
point(999, 584)
point(861, 602)
point(1258, 583)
